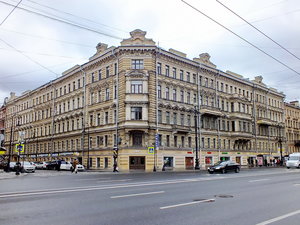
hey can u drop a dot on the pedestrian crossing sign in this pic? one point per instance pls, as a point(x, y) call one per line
point(20, 148)
point(150, 150)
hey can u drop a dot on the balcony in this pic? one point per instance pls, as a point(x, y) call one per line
point(181, 129)
point(297, 143)
point(210, 111)
point(264, 122)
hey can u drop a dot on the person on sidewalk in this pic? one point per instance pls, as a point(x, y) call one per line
point(74, 166)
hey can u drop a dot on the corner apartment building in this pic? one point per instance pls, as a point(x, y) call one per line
point(126, 99)
point(292, 121)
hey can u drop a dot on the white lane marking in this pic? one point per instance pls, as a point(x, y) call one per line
point(139, 194)
point(252, 181)
point(184, 204)
point(92, 179)
point(104, 187)
point(296, 184)
point(106, 181)
point(279, 218)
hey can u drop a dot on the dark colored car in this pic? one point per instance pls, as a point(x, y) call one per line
point(54, 165)
point(224, 167)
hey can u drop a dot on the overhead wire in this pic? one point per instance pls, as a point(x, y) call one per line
point(65, 21)
point(10, 12)
point(70, 14)
point(237, 35)
point(261, 32)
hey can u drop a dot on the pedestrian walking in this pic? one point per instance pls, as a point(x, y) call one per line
point(74, 166)
point(116, 169)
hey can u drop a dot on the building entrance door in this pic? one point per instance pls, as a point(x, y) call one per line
point(137, 162)
point(189, 163)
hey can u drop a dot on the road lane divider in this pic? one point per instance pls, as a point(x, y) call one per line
point(253, 181)
point(107, 181)
point(279, 218)
point(187, 203)
point(138, 194)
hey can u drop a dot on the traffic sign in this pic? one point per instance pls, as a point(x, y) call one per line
point(150, 150)
point(20, 148)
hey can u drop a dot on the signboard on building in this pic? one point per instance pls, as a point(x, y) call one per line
point(150, 150)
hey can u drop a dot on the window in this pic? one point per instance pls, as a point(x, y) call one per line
point(182, 141)
point(98, 119)
point(99, 74)
point(168, 140)
point(188, 98)
point(159, 68)
point(159, 91)
point(168, 117)
point(174, 95)
point(137, 138)
point(167, 71)
point(116, 68)
point(93, 78)
point(175, 141)
point(107, 71)
point(107, 94)
point(168, 161)
point(136, 87)
point(174, 73)
point(136, 113)
point(167, 93)
point(190, 142)
point(91, 120)
point(137, 64)
point(115, 92)
point(182, 119)
point(159, 116)
point(106, 117)
point(175, 118)
point(181, 74)
point(188, 77)
point(181, 96)
point(189, 120)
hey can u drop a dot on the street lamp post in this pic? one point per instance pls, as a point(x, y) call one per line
point(197, 166)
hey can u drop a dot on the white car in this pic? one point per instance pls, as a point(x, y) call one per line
point(26, 167)
point(39, 165)
point(80, 167)
point(65, 165)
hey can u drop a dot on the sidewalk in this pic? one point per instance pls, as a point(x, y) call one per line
point(12, 174)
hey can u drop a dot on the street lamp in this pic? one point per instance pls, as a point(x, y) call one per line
point(197, 166)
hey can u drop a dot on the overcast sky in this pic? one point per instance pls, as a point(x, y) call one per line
point(35, 49)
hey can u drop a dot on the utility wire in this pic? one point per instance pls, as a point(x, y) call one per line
point(277, 60)
point(258, 30)
point(46, 38)
point(11, 12)
point(29, 57)
point(70, 14)
point(65, 21)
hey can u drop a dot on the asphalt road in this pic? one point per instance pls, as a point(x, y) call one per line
point(256, 197)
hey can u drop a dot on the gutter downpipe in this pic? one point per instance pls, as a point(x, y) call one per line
point(84, 115)
point(53, 114)
point(199, 119)
point(116, 156)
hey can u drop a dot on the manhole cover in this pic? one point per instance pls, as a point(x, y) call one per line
point(224, 196)
point(203, 200)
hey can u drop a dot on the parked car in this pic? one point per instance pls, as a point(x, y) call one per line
point(80, 167)
point(53, 165)
point(25, 167)
point(12, 165)
point(39, 165)
point(65, 165)
point(45, 164)
point(224, 167)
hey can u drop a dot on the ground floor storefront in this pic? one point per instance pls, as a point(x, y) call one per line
point(146, 159)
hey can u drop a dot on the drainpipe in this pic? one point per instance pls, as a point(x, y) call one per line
point(84, 113)
point(53, 114)
point(116, 147)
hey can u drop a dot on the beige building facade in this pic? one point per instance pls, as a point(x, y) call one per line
point(126, 100)
point(291, 142)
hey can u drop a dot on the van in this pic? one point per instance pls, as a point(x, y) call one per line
point(293, 160)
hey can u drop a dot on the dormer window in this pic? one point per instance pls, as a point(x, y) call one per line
point(137, 64)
